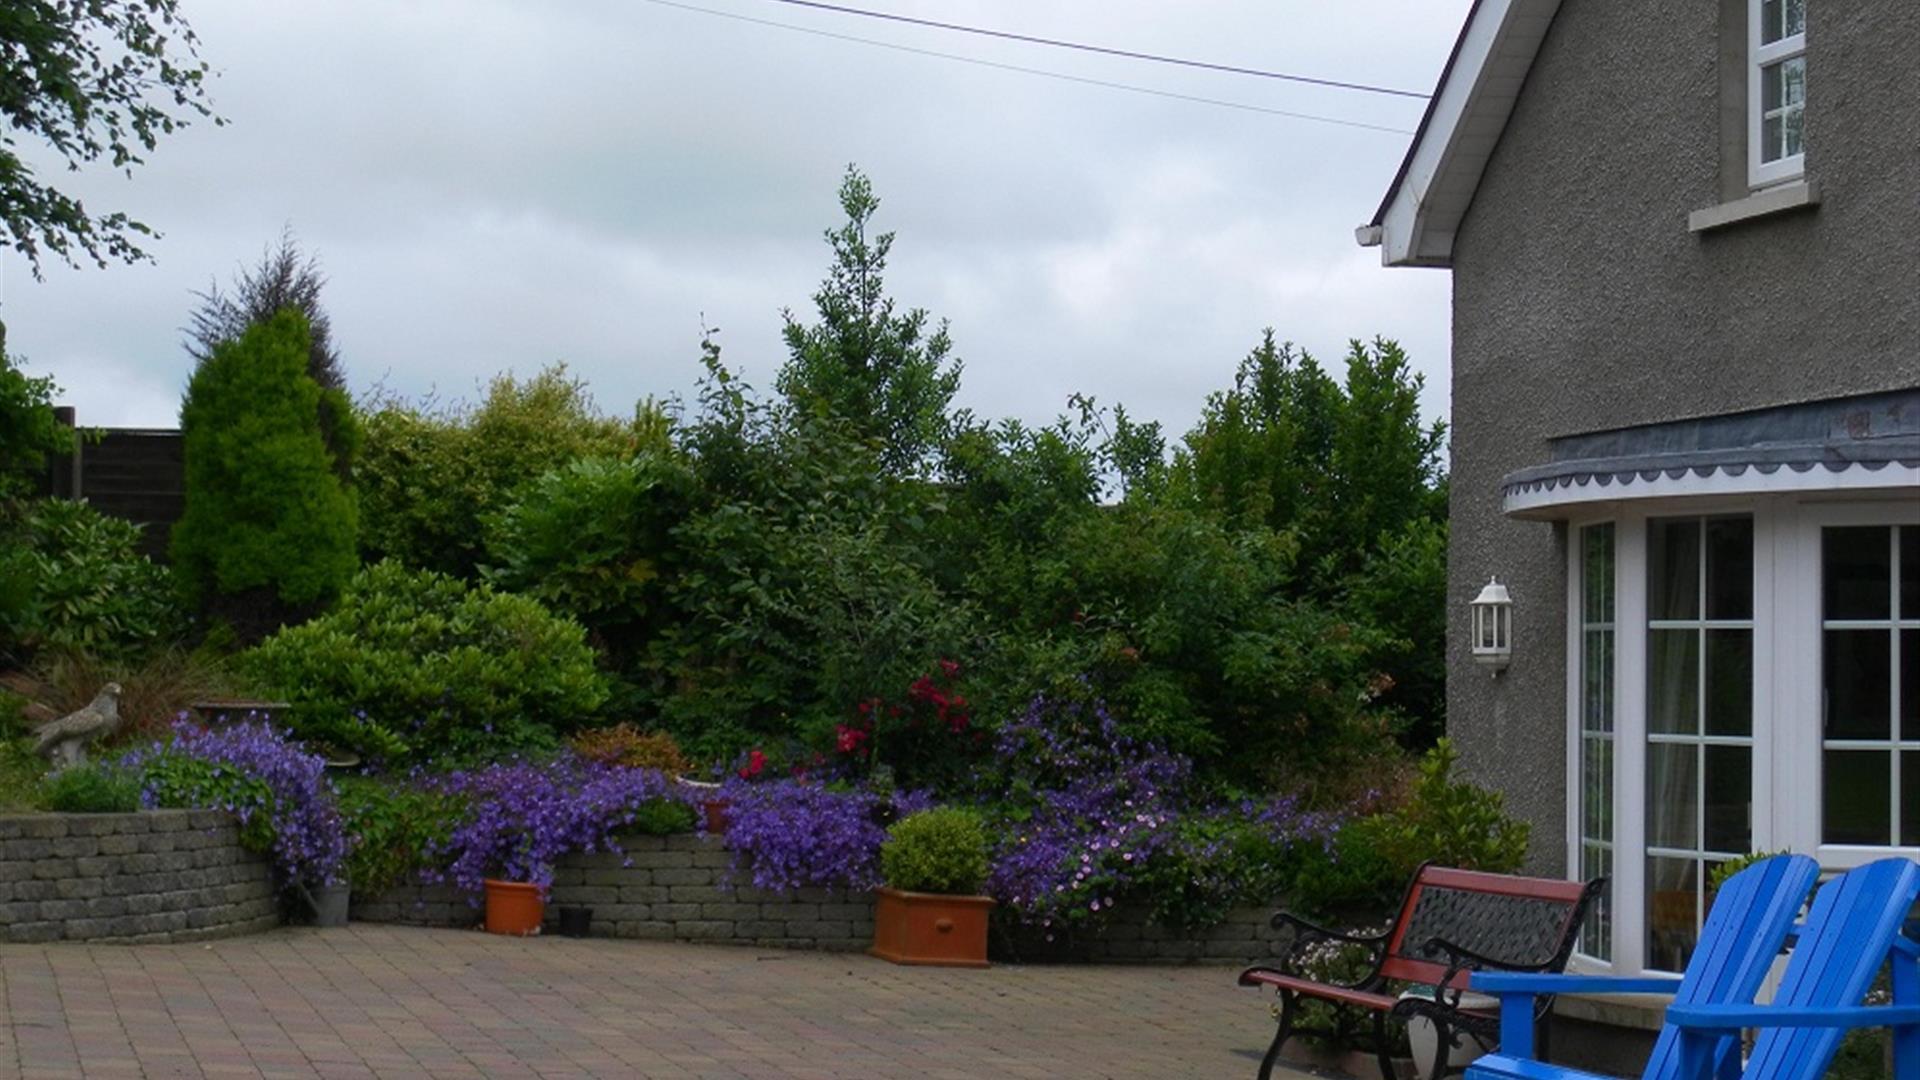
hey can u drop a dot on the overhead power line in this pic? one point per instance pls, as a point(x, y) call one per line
point(1104, 50)
point(1129, 87)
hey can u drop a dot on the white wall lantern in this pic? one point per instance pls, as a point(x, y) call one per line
point(1493, 626)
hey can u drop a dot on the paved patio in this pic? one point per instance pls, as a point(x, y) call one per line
point(393, 1001)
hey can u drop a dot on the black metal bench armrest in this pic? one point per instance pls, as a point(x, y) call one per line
point(1462, 959)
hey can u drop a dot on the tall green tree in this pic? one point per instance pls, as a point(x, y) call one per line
point(283, 278)
point(864, 363)
point(100, 79)
point(28, 431)
point(268, 531)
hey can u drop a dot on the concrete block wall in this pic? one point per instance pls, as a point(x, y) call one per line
point(678, 888)
point(162, 875)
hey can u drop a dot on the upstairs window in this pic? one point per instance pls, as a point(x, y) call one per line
point(1776, 90)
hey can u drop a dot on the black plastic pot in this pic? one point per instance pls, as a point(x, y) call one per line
point(576, 921)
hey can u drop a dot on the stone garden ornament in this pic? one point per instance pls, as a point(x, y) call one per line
point(64, 741)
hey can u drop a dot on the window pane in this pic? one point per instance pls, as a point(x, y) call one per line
point(1910, 572)
point(1674, 681)
point(1910, 798)
point(1859, 677)
point(1597, 573)
point(1857, 565)
point(1773, 137)
point(1783, 85)
point(1672, 908)
point(1730, 682)
point(1910, 690)
point(1672, 795)
point(1673, 573)
point(1729, 799)
point(1596, 692)
point(1596, 934)
point(1858, 796)
point(1596, 783)
point(1791, 140)
point(1782, 19)
point(1730, 568)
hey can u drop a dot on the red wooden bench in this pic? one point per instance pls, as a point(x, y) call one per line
point(1450, 923)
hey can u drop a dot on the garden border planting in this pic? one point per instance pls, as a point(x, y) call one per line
point(674, 888)
point(151, 876)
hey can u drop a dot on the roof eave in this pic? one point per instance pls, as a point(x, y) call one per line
point(1478, 88)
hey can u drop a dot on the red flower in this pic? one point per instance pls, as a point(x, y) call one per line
point(952, 669)
point(849, 739)
point(756, 763)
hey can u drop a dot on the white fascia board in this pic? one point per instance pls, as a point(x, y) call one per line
point(1468, 114)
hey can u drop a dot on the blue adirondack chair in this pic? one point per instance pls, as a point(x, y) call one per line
point(1744, 933)
point(1851, 930)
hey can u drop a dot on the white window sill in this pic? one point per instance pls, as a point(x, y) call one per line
point(1773, 200)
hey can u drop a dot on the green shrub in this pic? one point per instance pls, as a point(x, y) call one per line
point(429, 478)
point(1219, 863)
point(1443, 821)
point(268, 529)
point(1356, 876)
point(1453, 822)
point(85, 585)
point(663, 817)
point(936, 851)
point(422, 665)
point(394, 831)
point(28, 431)
point(591, 539)
point(91, 788)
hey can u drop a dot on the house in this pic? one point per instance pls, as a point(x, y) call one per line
point(1685, 251)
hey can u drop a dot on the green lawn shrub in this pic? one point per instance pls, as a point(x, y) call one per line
point(415, 665)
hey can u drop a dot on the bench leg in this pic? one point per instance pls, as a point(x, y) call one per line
point(1443, 1042)
point(1280, 1035)
point(1382, 1049)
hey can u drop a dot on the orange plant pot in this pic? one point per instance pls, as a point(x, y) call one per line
point(514, 907)
point(930, 929)
point(719, 814)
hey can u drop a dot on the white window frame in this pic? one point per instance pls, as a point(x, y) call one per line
point(1759, 57)
point(1630, 519)
point(1801, 654)
point(1576, 733)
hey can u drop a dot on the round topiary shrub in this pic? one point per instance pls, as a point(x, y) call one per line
point(414, 665)
point(943, 850)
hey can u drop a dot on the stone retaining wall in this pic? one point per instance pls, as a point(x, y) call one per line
point(161, 875)
point(675, 888)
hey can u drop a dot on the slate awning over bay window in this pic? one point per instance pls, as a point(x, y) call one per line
point(1870, 442)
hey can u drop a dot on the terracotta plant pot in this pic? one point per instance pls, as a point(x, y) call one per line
point(514, 907)
point(930, 929)
point(717, 817)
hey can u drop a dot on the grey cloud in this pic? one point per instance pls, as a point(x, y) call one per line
point(498, 185)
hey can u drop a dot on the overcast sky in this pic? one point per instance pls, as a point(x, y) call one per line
point(501, 185)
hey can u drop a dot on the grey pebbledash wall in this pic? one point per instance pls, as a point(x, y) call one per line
point(675, 889)
point(155, 876)
point(1582, 302)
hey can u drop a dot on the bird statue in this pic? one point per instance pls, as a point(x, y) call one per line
point(68, 736)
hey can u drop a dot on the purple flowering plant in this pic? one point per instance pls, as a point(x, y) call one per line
point(521, 816)
point(805, 831)
point(1093, 816)
point(276, 789)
